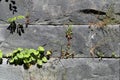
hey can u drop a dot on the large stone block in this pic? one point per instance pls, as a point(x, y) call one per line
point(106, 41)
point(59, 11)
point(65, 69)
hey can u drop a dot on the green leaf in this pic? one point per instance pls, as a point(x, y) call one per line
point(1, 54)
point(32, 50)
point(15, 51)
point(48, 53)
point(15, 58)
point(36, 53)
point(11, 60)
point(39, 62)
point(15, 18)
point(69, 30)
point(26, 55)
point(113, 55)
point(20, 17)
point(26, 61)
point(19, 49)
point(12, 19)
point(41, 49)
point(32, 58)
point(20, 56)
point(100, 54)
point(44, 59)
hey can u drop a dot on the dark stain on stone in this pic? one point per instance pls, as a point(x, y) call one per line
point(117, 13)
point(92, 11)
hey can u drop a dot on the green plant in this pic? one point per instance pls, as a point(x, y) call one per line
point(69, 34)
point(114, 55)
point(28, 57)
point(15, 18)
point(67, 53)
point(109, 34)
point(100, 55)
point(14, 25)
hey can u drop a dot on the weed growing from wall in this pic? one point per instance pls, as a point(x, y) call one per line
point(67, 52)
point(27, 57)
point(15, 26)
point(108, 34)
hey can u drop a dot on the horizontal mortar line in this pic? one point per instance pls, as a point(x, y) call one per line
point(57, 24)
point(79, 57)
point(65, 24)
point(92, 57)
point(62, 26)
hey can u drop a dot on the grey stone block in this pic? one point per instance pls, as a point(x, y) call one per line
point(79, 69)
point(58, 11)
point(9, 72)
point(54, 38)
point(65, 69)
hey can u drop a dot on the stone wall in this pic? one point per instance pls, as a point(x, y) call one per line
point(47, 27)
point(84, 68)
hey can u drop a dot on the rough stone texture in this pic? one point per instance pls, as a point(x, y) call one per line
point(62, 12)
point(54, 37)
point(8, 72)
point(65, 69)
point(59, 11)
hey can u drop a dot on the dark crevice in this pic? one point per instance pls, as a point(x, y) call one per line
point(92, 11)
point(117, 13)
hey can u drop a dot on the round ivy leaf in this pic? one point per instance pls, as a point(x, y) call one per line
point(36, 53)
point(26, 55)
point(11, 61)
point(33, 61)
point(26, 61)
point(39, 62)
point(48, 53)
point(20, 56)
point(41, 49)
point(15, 51)
point(20, 49)
point(32, 50)
point(44, 59)
point(15, 58)
point(32, 58)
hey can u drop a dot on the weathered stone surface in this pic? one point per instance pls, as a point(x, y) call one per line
point(62, 12)
point(54, 38)
point(59, 11)
point(8, 72)
point(65, 69)
point(107, 40)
